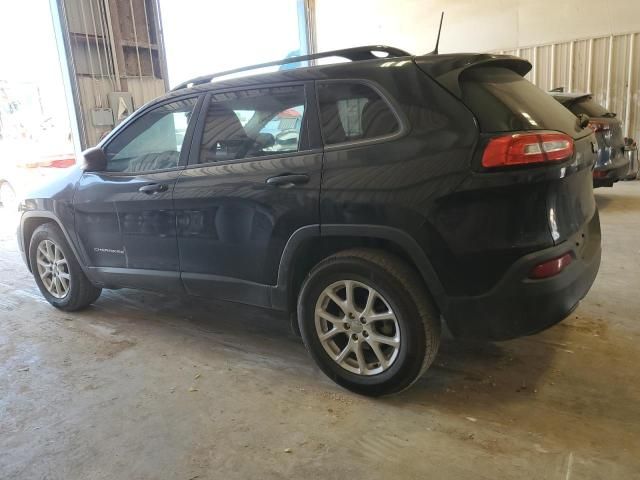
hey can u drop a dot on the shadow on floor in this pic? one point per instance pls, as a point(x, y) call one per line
point(464, 370)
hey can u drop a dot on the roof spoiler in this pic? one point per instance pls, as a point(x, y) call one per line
point(447, 69)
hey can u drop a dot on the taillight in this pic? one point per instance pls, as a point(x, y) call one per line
point(598, 126)
point(551, 267)
point(527, 148)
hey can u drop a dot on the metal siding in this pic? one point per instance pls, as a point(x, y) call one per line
point(100, 62)
point(144, 89)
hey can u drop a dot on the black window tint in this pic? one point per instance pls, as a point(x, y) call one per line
point(353, 111)
point(589, 107)
point(153, 141)
point(253, 123)
point(503, 101)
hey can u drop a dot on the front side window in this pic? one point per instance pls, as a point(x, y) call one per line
point(253, 123)
point(353, 111)
point(153, 141)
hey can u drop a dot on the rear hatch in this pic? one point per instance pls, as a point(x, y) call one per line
point(607, 127)
point(506, 105)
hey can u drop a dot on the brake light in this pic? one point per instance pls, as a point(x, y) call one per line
point(551, 267)
point(599, 127)
point(527, 148)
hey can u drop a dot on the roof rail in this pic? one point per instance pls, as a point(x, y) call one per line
point(354, 54)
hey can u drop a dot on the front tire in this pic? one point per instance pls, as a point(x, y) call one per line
point(57, 271)
point(367, 321)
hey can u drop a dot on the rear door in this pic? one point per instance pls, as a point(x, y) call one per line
point(253, 179)
point(124, 216)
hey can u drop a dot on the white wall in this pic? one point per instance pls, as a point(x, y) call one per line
point(470, 25)
point(582, 45)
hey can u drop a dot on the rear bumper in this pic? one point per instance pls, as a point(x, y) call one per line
point(519, 306)
point(612, 172)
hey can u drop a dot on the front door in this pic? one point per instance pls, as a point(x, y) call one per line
point(124, 216)
point(253, 179)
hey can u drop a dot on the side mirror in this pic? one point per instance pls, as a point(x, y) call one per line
point(95, 160)
point(583, 120)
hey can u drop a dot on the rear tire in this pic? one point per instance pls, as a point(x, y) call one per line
point(57, 271)
point(372, 347)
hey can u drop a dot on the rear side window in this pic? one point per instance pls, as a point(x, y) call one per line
point(353, 111)
point(503, 101)
point(253, 123)
point(590, 108)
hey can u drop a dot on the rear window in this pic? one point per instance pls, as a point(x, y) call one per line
point(590, 108)
point(503, 101)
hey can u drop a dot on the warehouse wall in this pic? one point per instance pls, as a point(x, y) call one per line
point(110, 46)
point(609, 67)
point(582, 45)
point(470, 25)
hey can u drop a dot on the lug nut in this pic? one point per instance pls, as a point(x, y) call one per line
point(347, 326)
point(363, 320)
point(354, 336)
point(351, 315)
point(365, 334)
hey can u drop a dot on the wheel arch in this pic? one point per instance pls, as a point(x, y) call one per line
point(33, 219)
point(309, 245)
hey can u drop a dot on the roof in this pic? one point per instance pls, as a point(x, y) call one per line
point(433, 64)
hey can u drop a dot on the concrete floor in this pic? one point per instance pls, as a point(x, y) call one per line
point(142, 386)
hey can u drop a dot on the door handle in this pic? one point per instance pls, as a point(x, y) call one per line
point(288, 180)
point(153, 188)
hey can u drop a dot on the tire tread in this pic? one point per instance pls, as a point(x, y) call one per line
point(412, 283)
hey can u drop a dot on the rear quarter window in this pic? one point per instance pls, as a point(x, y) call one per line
point(351, 112)
point(503, 101)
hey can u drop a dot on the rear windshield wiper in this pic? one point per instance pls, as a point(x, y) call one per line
point(609, 115)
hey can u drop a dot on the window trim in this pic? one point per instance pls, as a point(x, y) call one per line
point(305, 143)
point(388, 99)
point(186, 144)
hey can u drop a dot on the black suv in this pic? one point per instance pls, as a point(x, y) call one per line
point(612, 163)
point(370, 199)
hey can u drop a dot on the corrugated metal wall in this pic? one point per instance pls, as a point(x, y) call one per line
point(608, 67)
point(112, 46)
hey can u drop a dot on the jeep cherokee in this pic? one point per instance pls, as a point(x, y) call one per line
point(371, 199)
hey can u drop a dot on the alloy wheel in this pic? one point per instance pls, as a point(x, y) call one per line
point(357, 327)
point(53, 269)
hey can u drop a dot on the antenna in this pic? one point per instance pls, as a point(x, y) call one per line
point(435, 50)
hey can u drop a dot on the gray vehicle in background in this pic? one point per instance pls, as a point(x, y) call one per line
point(631, 151)
point(613, 162)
